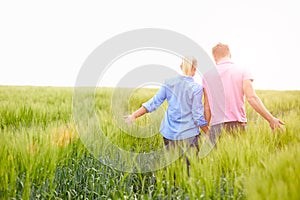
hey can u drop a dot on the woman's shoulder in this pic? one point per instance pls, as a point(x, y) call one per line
point(196, 86)
point(180, 81)
point(172, 80)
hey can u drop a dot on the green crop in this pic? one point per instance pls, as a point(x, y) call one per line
point(43, 157)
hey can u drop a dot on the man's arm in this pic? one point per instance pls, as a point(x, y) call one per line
point(258, 106)
point(207, 112)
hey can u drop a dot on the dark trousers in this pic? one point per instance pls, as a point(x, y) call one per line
point(191, 142)
point(229, 127)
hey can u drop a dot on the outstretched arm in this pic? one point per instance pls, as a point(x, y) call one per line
point(258, 106)
point(149, 106)
point(138, 113)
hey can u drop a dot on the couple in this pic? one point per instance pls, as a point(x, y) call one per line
point(186, 114)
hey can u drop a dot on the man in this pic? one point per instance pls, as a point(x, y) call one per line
point(224, 92)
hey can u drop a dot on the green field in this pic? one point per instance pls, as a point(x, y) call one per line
point(42, 156)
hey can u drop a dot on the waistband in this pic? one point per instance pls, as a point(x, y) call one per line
point(235, 122)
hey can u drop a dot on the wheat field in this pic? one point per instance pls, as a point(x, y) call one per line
point(42, 155)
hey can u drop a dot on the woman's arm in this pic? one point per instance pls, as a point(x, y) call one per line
point(138, 113)
point(198, 112)
point(149, 106)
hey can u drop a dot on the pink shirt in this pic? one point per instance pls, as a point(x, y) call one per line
point(224, 87)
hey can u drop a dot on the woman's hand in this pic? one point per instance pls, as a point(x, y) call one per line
point(129, 119)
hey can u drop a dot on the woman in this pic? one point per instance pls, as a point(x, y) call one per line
point(184, 116)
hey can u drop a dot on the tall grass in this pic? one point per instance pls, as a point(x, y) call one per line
point(42, 156)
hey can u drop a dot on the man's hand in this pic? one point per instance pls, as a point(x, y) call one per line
point(205, 129)
point(276, 124)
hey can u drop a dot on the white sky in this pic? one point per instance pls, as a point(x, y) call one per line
point(46, 42)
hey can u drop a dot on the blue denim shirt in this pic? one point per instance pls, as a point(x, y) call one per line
point(184, 114)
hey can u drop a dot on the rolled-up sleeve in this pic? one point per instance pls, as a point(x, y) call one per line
point(198, 110)
point(156, 101)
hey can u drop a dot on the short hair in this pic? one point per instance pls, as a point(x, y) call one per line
point(188, 63)
point(220, 51)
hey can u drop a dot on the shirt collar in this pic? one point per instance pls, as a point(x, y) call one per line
point(187, 77)
point(227, 61)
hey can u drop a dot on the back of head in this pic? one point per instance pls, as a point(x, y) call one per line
point(221, 51)
point(188, 65)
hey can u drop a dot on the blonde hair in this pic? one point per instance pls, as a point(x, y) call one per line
point(220, 51)
point(188, 64)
